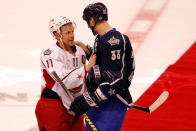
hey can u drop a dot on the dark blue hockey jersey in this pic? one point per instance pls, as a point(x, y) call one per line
point(115, 55)
point(116, 62)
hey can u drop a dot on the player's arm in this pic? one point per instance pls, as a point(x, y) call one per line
point(87, 49)
point(104, 91)
point(83, 46)
point(129, 61)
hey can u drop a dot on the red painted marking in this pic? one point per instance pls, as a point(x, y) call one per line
point(137, 38)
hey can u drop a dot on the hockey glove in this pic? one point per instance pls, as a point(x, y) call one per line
point(82, 103)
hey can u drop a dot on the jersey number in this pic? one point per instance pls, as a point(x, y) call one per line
point(115, 54)
point(49, 63)
point(75, 62)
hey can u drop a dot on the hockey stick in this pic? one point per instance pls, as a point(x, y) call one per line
point(88, 120)
point(72, 98)
point(160, 100)
point(57, 78)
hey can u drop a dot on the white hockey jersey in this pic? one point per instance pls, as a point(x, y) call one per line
point(70, 68)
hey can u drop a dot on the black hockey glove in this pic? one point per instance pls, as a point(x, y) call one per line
point(82, 103)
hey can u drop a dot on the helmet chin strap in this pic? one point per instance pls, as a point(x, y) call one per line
point(62, 42)
point(63, 47)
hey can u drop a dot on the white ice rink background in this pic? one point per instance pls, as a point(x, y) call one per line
point(24, 32)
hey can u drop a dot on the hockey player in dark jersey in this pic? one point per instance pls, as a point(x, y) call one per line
point(108, 83)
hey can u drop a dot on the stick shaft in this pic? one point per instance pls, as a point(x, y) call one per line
point(88, 120)
point(141, 108)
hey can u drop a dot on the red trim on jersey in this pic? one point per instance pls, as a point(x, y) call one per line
point(77, 89)
point(49, 80)
point(84, 80)
point(68, 74)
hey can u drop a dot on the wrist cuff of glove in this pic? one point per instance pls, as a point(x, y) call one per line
point(88, 99)
point(100, 94)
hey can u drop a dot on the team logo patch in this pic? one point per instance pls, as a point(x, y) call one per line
point(47, 52)
point(113, 41)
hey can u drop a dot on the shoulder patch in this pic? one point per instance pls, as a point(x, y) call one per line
point(113, 41)
point(47, 52)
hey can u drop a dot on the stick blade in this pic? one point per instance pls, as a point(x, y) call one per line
point(162, 98)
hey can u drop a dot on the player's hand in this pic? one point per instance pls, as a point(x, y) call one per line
point(83, 46)
point(82, 104)
point(79, 105)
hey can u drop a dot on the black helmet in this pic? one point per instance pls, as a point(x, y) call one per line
point(98, 11)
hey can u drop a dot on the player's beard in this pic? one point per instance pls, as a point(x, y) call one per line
point(93, 30)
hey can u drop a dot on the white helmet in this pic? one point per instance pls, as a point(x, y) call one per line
point(56, 23)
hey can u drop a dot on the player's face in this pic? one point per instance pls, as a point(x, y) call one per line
point(67, 33)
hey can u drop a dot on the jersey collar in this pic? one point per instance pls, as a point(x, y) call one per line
point(112, 30)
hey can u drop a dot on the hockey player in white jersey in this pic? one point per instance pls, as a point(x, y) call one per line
point(63, 66)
